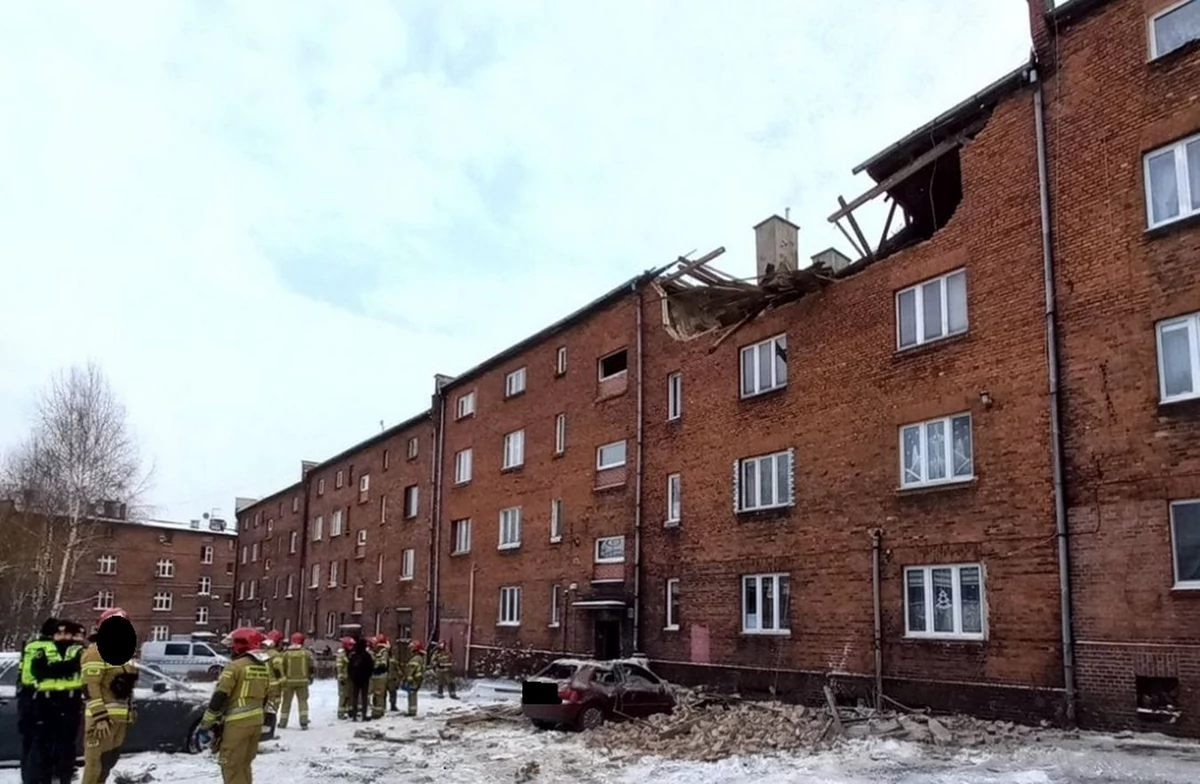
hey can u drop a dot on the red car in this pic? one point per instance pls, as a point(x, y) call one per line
point(582, 694)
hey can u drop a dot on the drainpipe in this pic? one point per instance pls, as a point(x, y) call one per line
point(302, 581)
point(1060, 504)
point(470, 623)
point(637, 514)
point(435, 516)
point(876, 536)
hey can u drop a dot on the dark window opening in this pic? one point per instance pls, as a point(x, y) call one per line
point(1158, 700)
point(614, 364)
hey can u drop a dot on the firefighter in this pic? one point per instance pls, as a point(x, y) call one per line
point(28, 687)
point(298, 670)
point(395, 674)
point(109, 708)
point(379, 675)
point(414, 674)
point(342, 662)
point(56, 708)
point(233, 722)
point(444, 666)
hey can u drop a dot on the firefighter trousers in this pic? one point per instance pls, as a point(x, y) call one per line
point(300, 692)
point(239, 747)
point(378, 697)
point(412, 701)
point(445, 679)
point(100, 754)
point(344, 691)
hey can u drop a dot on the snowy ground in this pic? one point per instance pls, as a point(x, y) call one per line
point(328, 751)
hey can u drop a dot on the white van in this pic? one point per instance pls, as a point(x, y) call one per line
point(182, 658)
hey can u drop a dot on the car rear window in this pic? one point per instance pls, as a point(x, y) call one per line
point(633, 672)
point(177, 649)
point(558, 671)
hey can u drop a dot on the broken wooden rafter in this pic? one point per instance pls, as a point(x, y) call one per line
point(887, 224)
point(849, 239)
point(857, 231)
point(686, 266)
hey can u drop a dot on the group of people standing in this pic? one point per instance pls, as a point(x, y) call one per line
point(63, 680)
point(370, 667)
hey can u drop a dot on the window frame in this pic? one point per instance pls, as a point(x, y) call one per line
point(555, 610)
point(781, 616)
point(408, 563)
point(560, 361)
point(379, 569)
point(321, 486)
point(1150, 32)
point(206, 554)
point(955, 636)
point(412, 449)
point(951, 478)
point(516, 437)
point(1176, 583)
point(314, 576)
point(332, 580)
point(675, 396)
point(1191, 323)
point(464, 405)
point(776, 385)
point(105, 600)
point(339, 479)
point(412, 509)
point(293, 541)
point(202, 615)
point(560, 433)
point(556, 520)
point(919, 309)
point(739, 481)
point(106, 564)
point(514, 523)
point(336, 523)
point(601, 465)
point(670, 621)
point(514, 382)
point(1178, 150)
point(201, 590)
point(318, 528)
point(360, 539)
point(456, 526)
point(168, 601)
point(611, 559)
point(464, 466)
point(600, 365)
point(513, 603)
point(674, 498)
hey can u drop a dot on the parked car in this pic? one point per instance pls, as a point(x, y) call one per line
point(183, 658)
point(168, 713)
point(583, 694)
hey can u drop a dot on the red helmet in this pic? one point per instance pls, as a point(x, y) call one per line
point(348, 643)
point(297, 638)
point(113, 613)
point(275, 636)
point(417, 646)
point(244, 639)
point(381, 640)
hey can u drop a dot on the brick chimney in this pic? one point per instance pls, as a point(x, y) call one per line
point(777, 245)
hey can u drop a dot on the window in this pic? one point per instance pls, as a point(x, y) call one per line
point(765, 604)
point(161, 634)
point(293, 537)
point(245, 553)
point(411, 501)
point(315, 580)
point(333, 574)
point(560, 434)
point(163, 601)
point(206, 554)
point(674, 486)
point(514, 383)
point(764, 482)
point(275, 589)
point(510, 527)
point(560, 361)
point(386, 460)
point(932, 310)
point(358, 593)
point(205, 586)
point(944, 601)
point(379, 569)
point(1179, 358)
point(408, 560)
point(610, 549)
point(555, 602)
point(514, 449)
point(330, 624)
point(254, 552)
point(556, 520)
point(465, 405)
point(318, 526)
point(257, 518)
point(510, 607)
point(462, 466)
point(321, 487)
point(201, 616)
point(361, 539)
point(383, 509)
point(241, 591)
point(672, 604)
point(288, 595)
point(610, 455)
point(104, 601)
point(270, 526)
point(339, 479)
point(414, 447)
point(1173, 28)
point(614, 364)
point(364, 484)
point(936, 452)
point(253, 586)
point(1185, 542)
point(764, 366)
point(295, 504)
point(335, 524)
point(674, 396)
point(107, 564)
point(462, 536)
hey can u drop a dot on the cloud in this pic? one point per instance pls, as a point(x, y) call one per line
point(273, 222)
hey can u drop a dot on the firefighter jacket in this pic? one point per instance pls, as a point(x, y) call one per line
point(380, 658)
point(245, 688)
point(442, 661)
point(57, 669)
point(298, 666)
point(109, 687)
point(394, 666)
point(414, 672)
point(274, 661)
point(342, 662)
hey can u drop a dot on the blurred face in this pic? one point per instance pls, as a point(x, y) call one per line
point(62, 634)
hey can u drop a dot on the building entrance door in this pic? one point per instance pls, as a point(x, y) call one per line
point(608, 639)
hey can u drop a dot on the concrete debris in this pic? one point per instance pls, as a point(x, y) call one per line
point(526, 772)
point(487, 714)
point(701, 728)
point(143, 776)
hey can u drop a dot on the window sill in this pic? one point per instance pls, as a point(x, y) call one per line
point(463, 483)
point(512, 469)
point(764, 511)
point(410, 517)
point(780, 633)
point(614, 486)
point(508, 624)
point(470, 415)
point(945, 638)
point(671, 628)
point(406, 579)
point(1171, 226)
point(1169, 59)
point(411, 458)
point(670, 524)
point(1179, 401)
point(457, 553)
point(555, 540)
point(559, 453)
point(552, 626)
point(746, 397)
point(931, 345)
point(939, 487)
point(609, 561)
point(508, 547)
point(674, 421)
point(1185, 588)
point(514, 395)
point(560, 374)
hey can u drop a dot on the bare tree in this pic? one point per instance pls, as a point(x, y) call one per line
point(79, 455)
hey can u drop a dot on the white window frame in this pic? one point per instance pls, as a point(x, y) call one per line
point(165, 600)
point(601, 465)
point(295, 504)
point(160, 633)
point(465, 405)
point(1153, 39)
point(560, 361)
point(339, 479)
point(245, 554)
point(560, 433)
point(361, 538)
point(918, 290)
point(204, 586)
point(674, 396)
point(206, 554)
point(335, 523)
point(461, 531)
point(358, 593)
point(674, 498)
point(958, 634)
point(201, 615)
point(275, 589)
point(333, 575)
point(315, 579)
point(776, 342)
point(555, 601)
point(609, 559)
point(321, 486)
point(412, 501)
point(413, 448)
point(783, 627)
point(556, 520)
point(463, 465)
point(106, 564)
point(739, 480)
point(254, 552)
point(293, 539)
point(514, 382)
point(1191, 324)
point(253, 585)
point(510, 606)
point(318, 527)
point(330, 624)
point(408, 563)
point(672, 623)
point(514, 449)
point(104, 601)
point(510, 528)
point(241, 592)
point(600, 365)
point(951, 478)
point(379, 569)
point(290, 587)
point(364, 483)
point(1188, 585)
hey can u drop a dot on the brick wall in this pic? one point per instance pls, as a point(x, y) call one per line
point(271, 523)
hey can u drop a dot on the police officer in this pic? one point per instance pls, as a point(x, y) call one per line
point(298, 671)
point(56, 708)
point(244, 691)
point(414, 674)
point(109, 708)
point(443, 665)
point(27, 689)
point(379, 675)
point(342, 663)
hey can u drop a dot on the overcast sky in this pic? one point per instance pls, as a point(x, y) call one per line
point(272, 222)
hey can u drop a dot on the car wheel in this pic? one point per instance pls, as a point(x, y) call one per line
point(544, 725)
point(192, 744)
point(591, 718)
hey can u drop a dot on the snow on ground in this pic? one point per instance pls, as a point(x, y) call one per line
point(328, 751)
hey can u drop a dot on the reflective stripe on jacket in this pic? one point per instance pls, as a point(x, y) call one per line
point(297, 665)
point(60, 684)
point(27, 656)
point(343, 665)
point(246, 685)
point(98, 676)
point(380, 658)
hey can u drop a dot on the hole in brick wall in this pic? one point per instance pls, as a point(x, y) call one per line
point(613, 364)
point(1158, 699)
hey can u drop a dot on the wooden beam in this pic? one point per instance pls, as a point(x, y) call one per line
point(887, 224)
point(741, 323)
point(849, 239)
point(857, 231)
point(687, 266)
